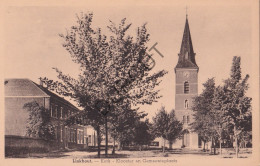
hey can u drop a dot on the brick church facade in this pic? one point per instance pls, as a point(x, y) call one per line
point(186, 87)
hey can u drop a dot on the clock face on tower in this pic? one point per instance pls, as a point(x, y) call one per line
point(186, 74)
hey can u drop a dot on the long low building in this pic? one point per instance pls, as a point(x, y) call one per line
point(18, 92)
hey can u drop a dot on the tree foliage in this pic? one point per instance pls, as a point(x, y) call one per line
point(122, 125)
point(143, 133)
point(236, 105)
point(202, 106)
point(39, 122)
point(224, 110)
point(166, 125)
point(114, 69)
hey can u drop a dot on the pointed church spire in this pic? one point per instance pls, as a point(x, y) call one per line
point(186, 12)
point(186, 55)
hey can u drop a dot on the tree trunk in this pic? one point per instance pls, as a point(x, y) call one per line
point(163, 145)
point(114, 148)
point(220, 146)
point(98, 140)
point(211, 145)
point(119, 146)
point(214, 144)
point(183, 141)
point(236, 141)
point(170, 145)
point(106, 146)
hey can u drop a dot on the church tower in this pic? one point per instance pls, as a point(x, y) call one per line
point(186, 87)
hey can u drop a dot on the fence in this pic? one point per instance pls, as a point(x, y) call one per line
point(21, 145)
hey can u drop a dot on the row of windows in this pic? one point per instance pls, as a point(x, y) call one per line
point(73, 135)
point(59, 112)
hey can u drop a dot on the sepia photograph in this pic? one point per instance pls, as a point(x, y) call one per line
point(130, 83)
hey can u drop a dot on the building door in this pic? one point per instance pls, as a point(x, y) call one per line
point(186, 139)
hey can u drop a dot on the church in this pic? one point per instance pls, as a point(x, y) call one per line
point(186, 87)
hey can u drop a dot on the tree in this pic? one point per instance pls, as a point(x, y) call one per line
point(202, 106)
point(38, 123)
point(175, 128)
point(114, 70)
point(219, 120)
point(236, 105)
point(143, 133)
point(123, 125)
point(166, 126)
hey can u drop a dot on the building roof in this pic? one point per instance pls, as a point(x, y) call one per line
point(186, 55)
point(22, 87)
point(28, 88)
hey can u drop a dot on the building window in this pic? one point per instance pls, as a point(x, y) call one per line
point(71, 135)
point(186, 104)
point(75, 135)
point(66, 113)
point(78, 136)
point(61, 136)
point(56, 112)
point(56, 132)
point(66, 134)
point(51, 110)
point(61, 111)
point(82, 137)
point(184, 119)
point(186, 87)
point(188, 119)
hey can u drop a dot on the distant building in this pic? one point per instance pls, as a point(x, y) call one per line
point(186, 87)
point(21, 91)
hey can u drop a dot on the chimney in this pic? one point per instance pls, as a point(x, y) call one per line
point(41, 83)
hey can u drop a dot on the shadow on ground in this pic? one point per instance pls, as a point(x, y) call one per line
point(226, 153)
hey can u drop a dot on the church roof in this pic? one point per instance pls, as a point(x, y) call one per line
point(186, 55)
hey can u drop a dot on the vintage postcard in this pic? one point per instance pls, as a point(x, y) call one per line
point(130, 82)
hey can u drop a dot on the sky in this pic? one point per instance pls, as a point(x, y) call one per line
point(33, 47)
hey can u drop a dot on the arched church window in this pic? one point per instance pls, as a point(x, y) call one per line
point(186, 87)
point(186, 104)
